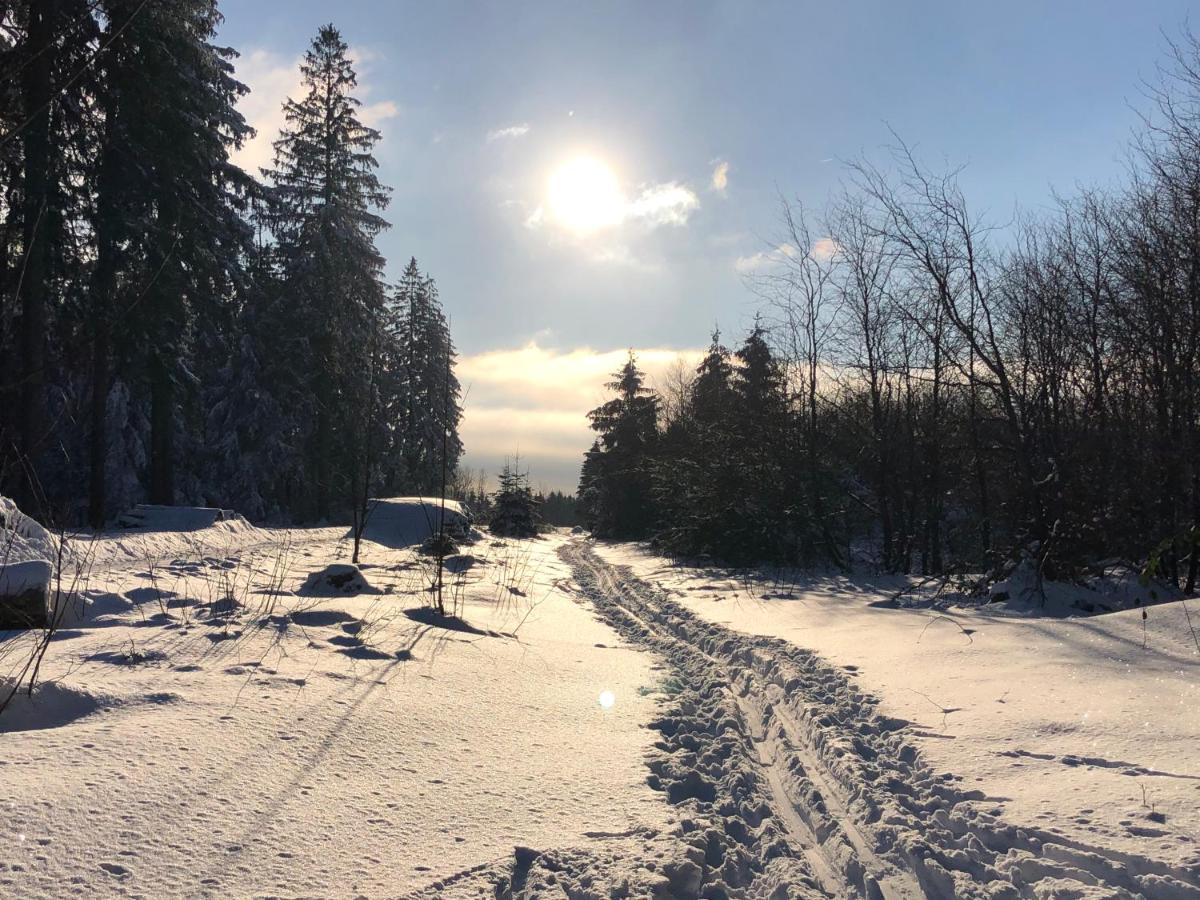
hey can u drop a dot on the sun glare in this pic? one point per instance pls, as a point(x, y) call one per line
point(585, 195)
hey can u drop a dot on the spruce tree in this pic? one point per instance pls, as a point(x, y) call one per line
point(423, 393)
point(171, 237)
point(324, 215)
point(515, 511)
point(628, 430)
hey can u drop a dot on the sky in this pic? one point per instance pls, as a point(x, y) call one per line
point(586, 179)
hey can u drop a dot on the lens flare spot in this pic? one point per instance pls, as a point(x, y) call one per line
point(607, 699)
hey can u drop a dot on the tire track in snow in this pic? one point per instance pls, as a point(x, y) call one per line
point(851, 796)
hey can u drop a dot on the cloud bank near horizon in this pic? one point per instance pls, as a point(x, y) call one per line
point(533, 401)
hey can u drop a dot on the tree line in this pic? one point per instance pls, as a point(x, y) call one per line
point(176, 329)
point(929, 392)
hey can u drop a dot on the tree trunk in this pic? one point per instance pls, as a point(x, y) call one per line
point(34, 278)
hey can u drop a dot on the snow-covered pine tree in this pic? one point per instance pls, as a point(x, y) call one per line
point(423, 394)
point(326, 198)
point(171, 237)
point(515, 510)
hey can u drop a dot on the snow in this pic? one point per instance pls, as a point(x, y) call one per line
point(21, 538)
point(1083, 727)
point(181, 745)
point(154, 517)
point(30, 575)
point(336, 580)
point(407, 521)
point(209, 725)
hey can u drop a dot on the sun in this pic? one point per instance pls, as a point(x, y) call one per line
point(584, 195)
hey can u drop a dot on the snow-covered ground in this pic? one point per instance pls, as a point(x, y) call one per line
point(1082, 727)
point(179, 746)
point(238, 712)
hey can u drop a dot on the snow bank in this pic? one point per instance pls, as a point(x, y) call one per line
point(154, 540)
point(406, 521)
point(1116, 587)
point(153, 517)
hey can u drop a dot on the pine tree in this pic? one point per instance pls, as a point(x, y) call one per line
point(696, 479)
point(324, 217)
point(48, 126)
point(515, 511)
point(619, 502)
point(423, 393)
point(759, 530)
point(172, 240)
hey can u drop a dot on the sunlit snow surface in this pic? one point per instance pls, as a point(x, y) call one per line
point(1062, 724)
point(315, 746)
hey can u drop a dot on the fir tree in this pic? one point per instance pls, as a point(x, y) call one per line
point(515, 511)
point(619, 502)
point(423, 393)
point(169, 219)
point(324, 217)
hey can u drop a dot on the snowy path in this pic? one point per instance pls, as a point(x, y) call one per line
point(830, 782)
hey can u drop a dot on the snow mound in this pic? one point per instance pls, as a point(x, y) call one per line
point(21, 538)
point(154, 517)
point(54, 704)
point(337, 580)
point(407, 521)
point(1113, 588)
point(27, 552)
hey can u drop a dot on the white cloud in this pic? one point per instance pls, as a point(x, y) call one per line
point(663, 204)
point(764, 258)
point(535, 400)
point(823, 249)
point(372, 114)
point(720, 177)
point(654, 207)
point(272, 79)
point(510, 131)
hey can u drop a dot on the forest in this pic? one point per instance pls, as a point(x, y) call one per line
point(930, 391)
point(177, 329)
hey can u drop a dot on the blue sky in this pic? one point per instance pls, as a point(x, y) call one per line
point(700, 114)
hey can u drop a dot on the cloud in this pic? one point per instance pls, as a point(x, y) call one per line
point(823, 249)
point(720, 177)
point(655, 206)
point(511, 131)
point(764, 258)
point(372, 114)
point(272, 79)
point(534, 400)
point(663, 204)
